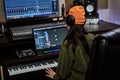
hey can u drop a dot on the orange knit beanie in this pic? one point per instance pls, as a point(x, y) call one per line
point(79, 14)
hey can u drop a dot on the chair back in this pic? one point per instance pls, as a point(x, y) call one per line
point(105, 57)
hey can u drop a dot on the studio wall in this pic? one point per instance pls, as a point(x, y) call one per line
point(102, 4)
point(2, 13)
point(114, 11)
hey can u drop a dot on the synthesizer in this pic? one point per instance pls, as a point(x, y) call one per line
point(25, 68)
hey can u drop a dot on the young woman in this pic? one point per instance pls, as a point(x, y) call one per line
point(74, 54)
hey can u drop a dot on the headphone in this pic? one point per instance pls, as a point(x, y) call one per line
point(70, 20)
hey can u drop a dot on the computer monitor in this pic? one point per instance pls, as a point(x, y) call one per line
point(30, 9)
point(48, 39)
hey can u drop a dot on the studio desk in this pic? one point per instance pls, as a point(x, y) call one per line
point(32, 67)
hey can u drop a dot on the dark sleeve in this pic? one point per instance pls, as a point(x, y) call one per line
point(65, 61)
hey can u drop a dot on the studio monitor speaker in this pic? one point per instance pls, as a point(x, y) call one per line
point(90, 8)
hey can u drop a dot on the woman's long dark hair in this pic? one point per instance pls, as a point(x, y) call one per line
point(76, 33)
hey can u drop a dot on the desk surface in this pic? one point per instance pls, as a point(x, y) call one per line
point(5, 42)
point(101, 27)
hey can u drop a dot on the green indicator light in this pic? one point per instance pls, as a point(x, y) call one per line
point(45, 52)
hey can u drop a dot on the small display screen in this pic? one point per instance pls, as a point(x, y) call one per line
point(49, 39)
point(22, 9)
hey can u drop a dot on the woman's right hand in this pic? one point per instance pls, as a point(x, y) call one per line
point(50, 73)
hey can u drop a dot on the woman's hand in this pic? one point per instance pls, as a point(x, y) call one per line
point(50, 73)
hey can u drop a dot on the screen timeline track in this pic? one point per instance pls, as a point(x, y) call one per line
point(17, 9)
